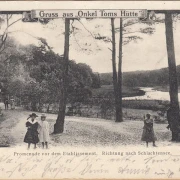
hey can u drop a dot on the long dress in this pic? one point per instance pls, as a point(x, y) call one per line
point(12, 103)
point(32, 133)
point(43, 130)
point(148, 134)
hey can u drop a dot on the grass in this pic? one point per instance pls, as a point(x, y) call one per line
point(7, 122)
point(162, 88)
point(132, 110)
point(4, 142)
point(108, 89)
point(108, 110)
point(154, 105)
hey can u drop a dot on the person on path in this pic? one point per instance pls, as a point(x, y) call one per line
point(12, 103)
point(148, 134)
point(44, 131)
point(6, 103)
point(31, 136)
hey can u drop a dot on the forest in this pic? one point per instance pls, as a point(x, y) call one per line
point(150, 78)
point(33, 75)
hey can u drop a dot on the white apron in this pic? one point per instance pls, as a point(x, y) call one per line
point(43, 131)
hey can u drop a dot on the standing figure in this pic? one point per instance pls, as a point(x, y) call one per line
point(44, 131)
point(31, 136)
point(12, 103)
point(148, 131)
point(6, 102)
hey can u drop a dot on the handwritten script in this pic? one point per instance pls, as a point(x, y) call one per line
point(97, 164)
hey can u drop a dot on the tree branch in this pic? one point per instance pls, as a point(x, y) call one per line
point(86, 28)
point(110, 49)
point(4, 36)
point(131, 32)
point(130, 24)
point(88, 31)
point(12, 24)
point(74, 35)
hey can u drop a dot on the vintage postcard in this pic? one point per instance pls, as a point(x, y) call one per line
point(89, 90)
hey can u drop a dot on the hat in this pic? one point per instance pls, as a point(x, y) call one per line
point(33, 114)
point(43, 115)
point(148, 114)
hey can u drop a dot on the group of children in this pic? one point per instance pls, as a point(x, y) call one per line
point(37, 131)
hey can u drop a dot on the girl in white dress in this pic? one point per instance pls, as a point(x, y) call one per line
point(44, 131)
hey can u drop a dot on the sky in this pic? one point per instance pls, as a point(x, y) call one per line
point(147, 53)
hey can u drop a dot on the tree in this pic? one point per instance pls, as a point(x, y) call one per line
point(45, 71)
point(117, 76)
point(116, 81)
point(5, 25)
point(119, 117)
point(59, 125)
point(173, 83)
point(96, 82)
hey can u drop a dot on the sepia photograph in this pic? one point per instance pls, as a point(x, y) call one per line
point(89, 92)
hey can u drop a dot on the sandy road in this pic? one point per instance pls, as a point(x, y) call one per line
point(80, 131)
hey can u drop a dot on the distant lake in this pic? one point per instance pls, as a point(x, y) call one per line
point(151, 94)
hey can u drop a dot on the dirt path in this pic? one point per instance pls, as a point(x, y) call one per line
point(99, 132)
point(80, 131)
point(12, 128)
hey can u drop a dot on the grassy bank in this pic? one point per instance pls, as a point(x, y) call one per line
point(164, 88)
point(132, 110)
point(154, 105)
point(103, 106)
point(4, 140)
point(108, 90)
point(8, 120)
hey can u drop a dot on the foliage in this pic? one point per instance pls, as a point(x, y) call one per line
point(34, 76)
point(142, 78)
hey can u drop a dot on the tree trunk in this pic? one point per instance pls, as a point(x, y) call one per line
point(115, 77)
point(119, 86)
point(59, 125)
point(173, 83)
point(47, 110)
point(33, 106)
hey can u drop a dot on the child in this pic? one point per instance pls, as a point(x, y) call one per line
point(32, 133)
point(148, 131)
point(44, 131)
